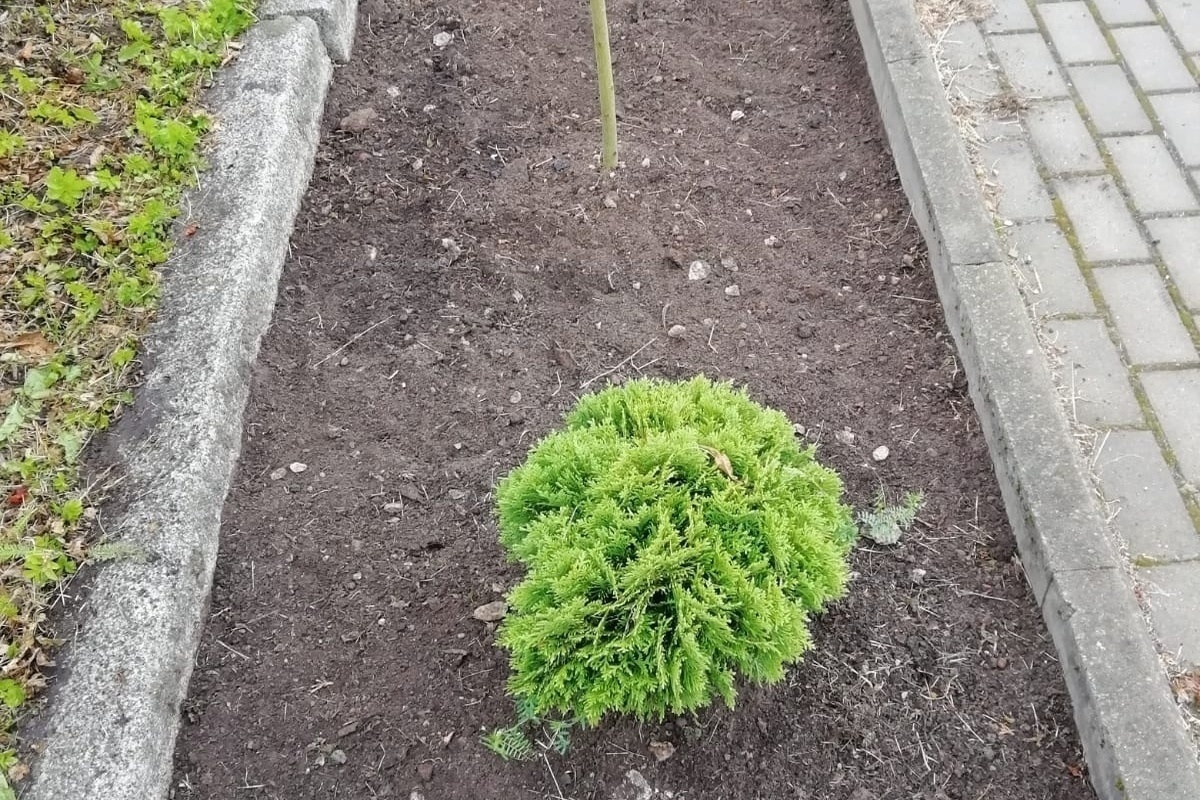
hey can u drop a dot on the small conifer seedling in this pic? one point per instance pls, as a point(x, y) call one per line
point(676, 538)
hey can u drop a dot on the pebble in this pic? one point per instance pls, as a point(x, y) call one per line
point(697, 270)
point(772, 241)
point(845, 436)
point(514, 398)
point(736, 114)
point(729, 264)
point(677, 331)
point(799, 429)
point(917, 576)
point(881, 453)
point(297, 467)
point(442, 39)
point(425, 770)
point(359, 121)
point(491, 612)
point(338, 756)
point(662, 750)
point(278, 474)
point(646, 162)
point(733, 291)
point(610, 200)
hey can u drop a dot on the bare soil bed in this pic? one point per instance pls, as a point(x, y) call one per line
point(460, 274)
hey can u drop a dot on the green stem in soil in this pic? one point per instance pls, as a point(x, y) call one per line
point(608, 94)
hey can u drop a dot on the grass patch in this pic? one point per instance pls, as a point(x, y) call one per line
point(99, 137)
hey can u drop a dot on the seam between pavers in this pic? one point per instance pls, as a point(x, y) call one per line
point(1106, 728)
point(109, 725)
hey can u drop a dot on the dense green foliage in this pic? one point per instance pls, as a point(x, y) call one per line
point(676, 536)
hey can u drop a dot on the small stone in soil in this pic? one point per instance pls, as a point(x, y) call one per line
point(677, 331)
point(514, 398)
point(393, 508)
point(338, 757)
point(662, 750)
point(917, 576)
point(697, 270)
point(674, 257)
point(278, 474)
point(646, 161)
point(881, 453)
point(491, 612)
point(610, 200)
point(729, 264)
point(772, 241)
point(442, 39)
point(425, 771)
point(733, 291)
point(297, 467)
point(359, 121)
point(736, 114)
point(799, 429)
point(845, 437)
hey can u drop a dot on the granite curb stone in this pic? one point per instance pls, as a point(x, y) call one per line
point(109, 727)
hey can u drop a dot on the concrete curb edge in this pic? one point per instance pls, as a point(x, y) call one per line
point(1133, 737)
point(109, 724)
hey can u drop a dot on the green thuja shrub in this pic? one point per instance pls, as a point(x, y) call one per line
point(675, 537)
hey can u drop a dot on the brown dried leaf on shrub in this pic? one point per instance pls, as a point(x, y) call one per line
point(721, 460)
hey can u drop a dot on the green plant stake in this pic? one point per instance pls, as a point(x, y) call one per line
point(676, 537)
point(608, 92)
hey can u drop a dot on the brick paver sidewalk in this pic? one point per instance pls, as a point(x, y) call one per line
point(1099, 194)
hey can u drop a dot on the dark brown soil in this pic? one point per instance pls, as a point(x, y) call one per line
point(408, 373)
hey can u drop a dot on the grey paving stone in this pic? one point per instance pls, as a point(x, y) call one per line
point(1093, 373)
point(1010, 164)
point(1154, 180)
point(1047, 262)
point(1103, 225)
point(1173, 594)
point(1061, 138)
point(1074, 32)
point(1178, 241)
point(966, 55)
point(1184, 18)
point(1146, 318)
point(1109, 99)
point(1175, 397)
point(1150, 514)
point(1180, 118)
point(1008, 16)
point(1030, 68)
point(1124, 12)
point(1152, 58)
